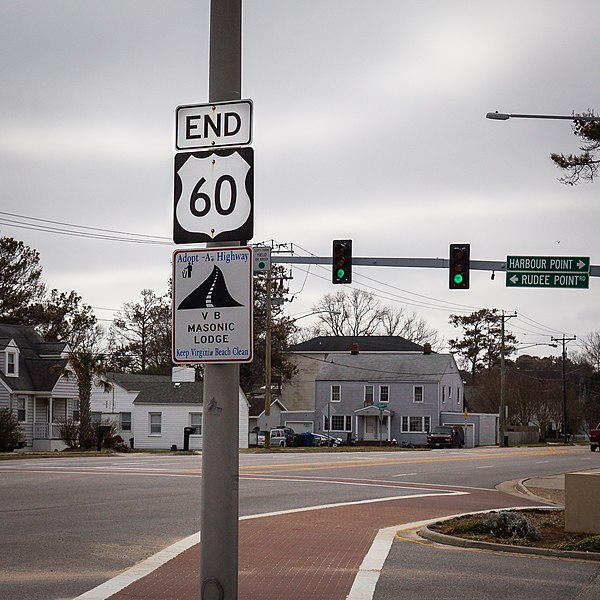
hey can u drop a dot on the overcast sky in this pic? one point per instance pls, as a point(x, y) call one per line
point(369, 124)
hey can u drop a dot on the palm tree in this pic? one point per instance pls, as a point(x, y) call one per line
point(87, 365)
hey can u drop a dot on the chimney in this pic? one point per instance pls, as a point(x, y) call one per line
point(354, 349)
point(427, 348)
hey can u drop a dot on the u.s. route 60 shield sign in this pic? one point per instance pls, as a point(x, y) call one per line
point(214, 196)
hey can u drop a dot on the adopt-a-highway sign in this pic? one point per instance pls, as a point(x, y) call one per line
point(212, 305)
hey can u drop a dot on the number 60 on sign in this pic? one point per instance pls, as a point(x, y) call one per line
point(214, 196)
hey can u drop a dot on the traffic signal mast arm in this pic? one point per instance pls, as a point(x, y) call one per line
point(416, 263)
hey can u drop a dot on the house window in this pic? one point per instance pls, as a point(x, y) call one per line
point(336, 393)
point(125, 421)
point(11, 364)
point(155, 423)
point(443, 394)
point(384, 393)
point(449, 392)
point(196, 423)
point(415, 424)
point(457, 395)
point(76, 410)
point(22, 410)
point(418, 393)
point(369, 394)
point(338, 423)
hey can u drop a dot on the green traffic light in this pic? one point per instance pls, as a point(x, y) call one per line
point(341, 273)
point(458, 278)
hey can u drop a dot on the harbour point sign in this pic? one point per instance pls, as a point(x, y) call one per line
point(548, 271)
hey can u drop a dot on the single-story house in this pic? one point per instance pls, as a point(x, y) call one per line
point(32, 385)
point(382, 396)
point(116, 405)
point(163, 411)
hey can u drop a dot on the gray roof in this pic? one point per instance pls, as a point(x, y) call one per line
point(135, 382)
point(366, 343)
point(37, 359)
point(185, 392)
point(386, 367)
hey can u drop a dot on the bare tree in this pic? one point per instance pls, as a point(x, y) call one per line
point(591, 349)
point(140, 335)
point(360, 313)
point(409, 326)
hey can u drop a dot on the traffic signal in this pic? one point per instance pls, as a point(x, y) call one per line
point(342, 261)
point(460, 262)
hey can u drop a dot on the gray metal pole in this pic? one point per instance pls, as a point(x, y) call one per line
point(220, 435)
point(502, 391)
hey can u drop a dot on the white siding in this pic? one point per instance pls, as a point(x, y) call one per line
point(112, 404)
point(174, 417)
point(66, 388)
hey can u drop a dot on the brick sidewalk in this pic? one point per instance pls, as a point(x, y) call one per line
point(314, 554)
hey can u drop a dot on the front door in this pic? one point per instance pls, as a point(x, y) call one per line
point(370, 428)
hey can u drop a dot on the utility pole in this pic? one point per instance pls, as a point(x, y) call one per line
point(503, 438)
point(269, 287)
point(564, 341)
point(220, 449)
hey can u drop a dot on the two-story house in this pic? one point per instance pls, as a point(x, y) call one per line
point(380, 396)
point(32, 386)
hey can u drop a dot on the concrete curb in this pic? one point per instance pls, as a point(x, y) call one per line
point(450, 540)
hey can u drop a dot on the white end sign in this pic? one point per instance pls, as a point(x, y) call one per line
point(213, 125)
point(212, 305)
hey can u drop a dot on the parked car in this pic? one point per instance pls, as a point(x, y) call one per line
point(320, 439)
point(280, 437)
point(260, 438)
point(446, 436)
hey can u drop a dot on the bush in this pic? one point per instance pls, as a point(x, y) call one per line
point(508, 524)
point(69, 433)
point(11, 435)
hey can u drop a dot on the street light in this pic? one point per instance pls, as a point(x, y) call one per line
point(498, 116)
point(539, 344)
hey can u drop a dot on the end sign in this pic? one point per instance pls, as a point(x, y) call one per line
point(213, 125)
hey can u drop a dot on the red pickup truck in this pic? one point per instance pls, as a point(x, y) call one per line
point(595, 438)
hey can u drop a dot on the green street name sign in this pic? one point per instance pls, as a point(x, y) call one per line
point(548, 264)
point(547, 280)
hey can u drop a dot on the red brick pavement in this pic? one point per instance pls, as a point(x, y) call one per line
point(314, 554)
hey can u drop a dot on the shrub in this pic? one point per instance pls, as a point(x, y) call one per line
point(508, 524)
point(11, 434)
point(69, 433)
point(590, 544)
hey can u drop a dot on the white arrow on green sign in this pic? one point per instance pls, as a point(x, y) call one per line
point(548, 271)
point(547, 280)
point(548, 264)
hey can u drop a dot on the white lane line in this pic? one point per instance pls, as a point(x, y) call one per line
point(485, 467)
point(404, 475)
point(120, 582)
point(365, 582)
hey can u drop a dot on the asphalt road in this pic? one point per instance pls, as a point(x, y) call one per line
point(69, 524)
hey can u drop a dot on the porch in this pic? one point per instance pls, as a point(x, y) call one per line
point(373, 424)
point(47, 415)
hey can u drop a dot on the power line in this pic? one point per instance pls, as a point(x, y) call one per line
point(58, 227)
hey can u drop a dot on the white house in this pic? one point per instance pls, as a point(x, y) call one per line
point(116, 406)
point(163, 412)
point(151, 411)
point(32, 386)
